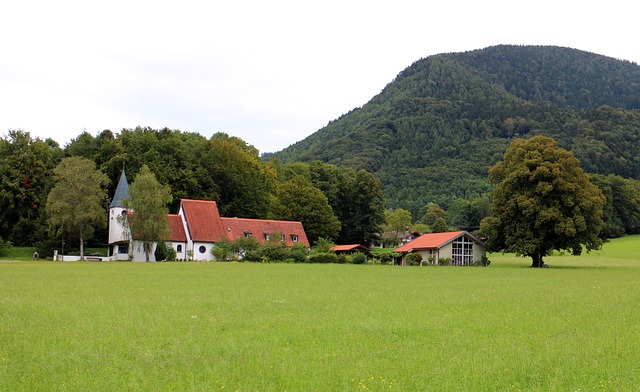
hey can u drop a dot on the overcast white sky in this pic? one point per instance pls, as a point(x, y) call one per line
point(270, 72)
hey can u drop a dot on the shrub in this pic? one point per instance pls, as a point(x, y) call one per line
point(223, 251)
point(252, 255)
point(273, 251)
point(323, 245)
point(164, 252)
point(298, 253)
point(243, 245)
point(357, 258)
point(413, 259)
point(373, 261)
point(483, 262)
point(444, 261)
point(385, 258)
point(5, 247)
point(323, 258)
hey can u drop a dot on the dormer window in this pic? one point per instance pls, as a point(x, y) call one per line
point(294, 238)
point(247, 234)
point(267, 237)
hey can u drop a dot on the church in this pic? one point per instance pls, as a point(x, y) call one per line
point(194, 229)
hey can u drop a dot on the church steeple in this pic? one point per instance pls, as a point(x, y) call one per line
point(122, 192)
point(118, 240)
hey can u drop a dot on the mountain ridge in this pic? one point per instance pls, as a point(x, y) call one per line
point(431, 134)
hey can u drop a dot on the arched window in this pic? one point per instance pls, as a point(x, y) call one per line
point(179, 248)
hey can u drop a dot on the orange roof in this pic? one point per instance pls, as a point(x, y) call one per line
point(203, 220)
point(257, 228)
point(431, 241)
point(176, 228)
point(343, 248)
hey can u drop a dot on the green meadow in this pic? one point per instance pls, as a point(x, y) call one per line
point(273, 327)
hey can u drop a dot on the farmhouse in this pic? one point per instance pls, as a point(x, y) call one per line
point(195, 229)
point(461, 247)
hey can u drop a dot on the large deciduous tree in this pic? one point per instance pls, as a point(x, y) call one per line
point(26, 167)
point(75, 204)
point(543, 201)
point(148, 221)
point(362, 209)
point(298, 200)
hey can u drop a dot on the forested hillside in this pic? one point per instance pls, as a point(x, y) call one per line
point(433, 132)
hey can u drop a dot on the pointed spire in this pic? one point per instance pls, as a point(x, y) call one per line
point(122, 191)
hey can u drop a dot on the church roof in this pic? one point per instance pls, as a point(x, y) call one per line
point(176, 228)
point(291, 231)
point(203, 220)
point(122, 192)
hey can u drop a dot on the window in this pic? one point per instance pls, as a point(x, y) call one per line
point(202, 249)
point(294, 238)
point(462, 251)
point(247, 234)
point(123, 248)
point(179, 248)
point(267, 236)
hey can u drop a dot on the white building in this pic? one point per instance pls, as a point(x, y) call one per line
point(195, 229)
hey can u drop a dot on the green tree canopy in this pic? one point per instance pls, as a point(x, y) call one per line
point(622, 209)
point(298, 200)
point(26, 172)
point(440, 226)
point(543, 201)
point(75, 204)
point(149, 199)
point(362, 209)
point(432, 213)
point(356, 197)
point(398, 220)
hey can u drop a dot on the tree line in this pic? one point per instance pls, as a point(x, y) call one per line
point(343, 205)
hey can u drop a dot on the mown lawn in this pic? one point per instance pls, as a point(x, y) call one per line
point(233, 326)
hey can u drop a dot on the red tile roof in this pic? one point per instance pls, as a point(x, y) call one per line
point(346, 248)
point(237, 227)
point(176, 228)
point(430, 241)
point(203, 220)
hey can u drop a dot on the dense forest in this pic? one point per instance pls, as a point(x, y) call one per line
point(432, 133)
point(346, 206)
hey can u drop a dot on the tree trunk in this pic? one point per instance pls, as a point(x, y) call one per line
point(537, 260)
point(81, 248)
point(147, 250)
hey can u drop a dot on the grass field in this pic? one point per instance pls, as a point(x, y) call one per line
point(275, 327)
